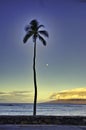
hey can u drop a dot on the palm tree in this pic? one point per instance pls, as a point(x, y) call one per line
point(33, 30)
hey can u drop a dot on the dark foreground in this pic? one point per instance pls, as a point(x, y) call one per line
point(43, 120)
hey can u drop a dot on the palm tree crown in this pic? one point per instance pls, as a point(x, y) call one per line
point(33, 29)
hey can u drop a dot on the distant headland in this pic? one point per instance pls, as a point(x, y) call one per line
point(69, 101)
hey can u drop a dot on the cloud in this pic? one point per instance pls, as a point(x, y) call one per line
point(3, 93)
point(78, 93)
point(21, 93)
point(16, 96)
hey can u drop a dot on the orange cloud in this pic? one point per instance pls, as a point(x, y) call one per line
point(78, 93)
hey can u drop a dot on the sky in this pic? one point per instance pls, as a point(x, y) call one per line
point(61, 65)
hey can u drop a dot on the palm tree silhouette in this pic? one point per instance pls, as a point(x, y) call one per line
point(33, 30)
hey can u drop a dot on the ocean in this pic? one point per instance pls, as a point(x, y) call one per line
point(43, 109)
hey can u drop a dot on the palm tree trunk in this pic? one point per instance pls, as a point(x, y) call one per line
point(35, 83)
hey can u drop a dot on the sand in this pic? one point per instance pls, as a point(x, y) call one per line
point(42, 123)
point(43, 120)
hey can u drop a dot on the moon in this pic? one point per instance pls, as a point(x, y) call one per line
point(47, 65)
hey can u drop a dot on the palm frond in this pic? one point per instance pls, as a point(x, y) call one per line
point(33, 29)
point(40, 26)
point(45, 33)
point(42, 40)
point(27, 28)
point(27, 36)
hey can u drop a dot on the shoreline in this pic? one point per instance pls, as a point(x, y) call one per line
point(43, 120)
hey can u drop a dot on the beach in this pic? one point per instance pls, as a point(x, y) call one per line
point(42, 123)
point(43, 120)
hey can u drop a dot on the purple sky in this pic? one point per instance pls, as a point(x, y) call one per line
point(65, 53)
